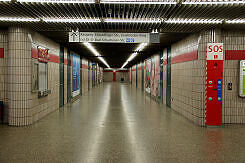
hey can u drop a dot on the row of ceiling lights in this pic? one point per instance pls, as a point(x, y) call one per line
point(96, 53)
point(83, 20)
point(170, 2)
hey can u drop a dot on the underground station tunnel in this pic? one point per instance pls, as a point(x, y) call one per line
point(141, 81)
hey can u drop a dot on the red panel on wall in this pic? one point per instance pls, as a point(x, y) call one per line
point(185, 57)
point(1, 52)
point(114, 76)
point(66, 61)
point(52, 57)
point(234, 54)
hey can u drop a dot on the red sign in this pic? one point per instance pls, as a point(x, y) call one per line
point(214, 82)
point(43, 55)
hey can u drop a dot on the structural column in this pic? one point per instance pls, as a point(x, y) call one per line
point(19, 77)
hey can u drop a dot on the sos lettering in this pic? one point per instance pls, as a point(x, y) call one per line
point(215, 48)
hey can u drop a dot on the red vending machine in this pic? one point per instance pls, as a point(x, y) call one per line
point(214, 82)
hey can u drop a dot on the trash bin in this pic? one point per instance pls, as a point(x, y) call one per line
point(1, 110)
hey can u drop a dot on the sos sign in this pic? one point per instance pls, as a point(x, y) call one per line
point(215, 51)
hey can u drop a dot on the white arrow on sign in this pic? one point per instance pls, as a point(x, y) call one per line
point(73, 36)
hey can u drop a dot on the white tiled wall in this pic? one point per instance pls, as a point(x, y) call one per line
point(42, 106)
point(188, 81)
point(233, 105)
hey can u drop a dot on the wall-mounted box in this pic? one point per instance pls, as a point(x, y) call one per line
point(242, 79)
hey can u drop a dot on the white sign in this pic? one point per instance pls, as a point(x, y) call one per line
point(215, 51)
point(110, 37)
point(73, 36)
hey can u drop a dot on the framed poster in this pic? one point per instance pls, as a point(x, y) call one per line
point(75, 75)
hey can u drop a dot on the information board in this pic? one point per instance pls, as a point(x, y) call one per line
point(107, 37)
point(242, 78)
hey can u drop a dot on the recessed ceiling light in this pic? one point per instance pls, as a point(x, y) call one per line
point(15, 19)
point(241, 21)
point(132, 20)
point(58, 1)
point(64, 20)
point(132, 56)
point(137, 2)
point(193, 21)
point(94, 51)
point(212, 2)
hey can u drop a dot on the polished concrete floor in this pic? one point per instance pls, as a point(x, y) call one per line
point(117, 123)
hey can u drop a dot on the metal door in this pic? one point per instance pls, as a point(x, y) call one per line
point(61, 76)
point(142, 77)
point(168, 87)
point(136, 76)
point(68, 76)
point(161, 76)
point(114, 76)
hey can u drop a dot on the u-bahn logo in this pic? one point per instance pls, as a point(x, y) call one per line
point(43, 55)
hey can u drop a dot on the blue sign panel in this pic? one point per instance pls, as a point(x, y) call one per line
point(219, 90)
point(75, 72)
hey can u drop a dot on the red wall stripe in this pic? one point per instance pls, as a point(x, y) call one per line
point(185, 57)
point(66, 61)
point(1, 52)
point(122, 71)
point(234, 54)
point(133, 69)
point(107, 71)
point(84, 66)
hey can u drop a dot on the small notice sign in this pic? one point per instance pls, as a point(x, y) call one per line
point(215, 51)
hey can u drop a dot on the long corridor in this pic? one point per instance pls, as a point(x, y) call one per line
point(118, 123)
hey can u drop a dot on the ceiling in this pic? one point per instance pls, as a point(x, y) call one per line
point(117, 54)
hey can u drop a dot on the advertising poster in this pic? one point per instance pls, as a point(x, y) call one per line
point(75, 75)
point(148, 75)
point(155, 75)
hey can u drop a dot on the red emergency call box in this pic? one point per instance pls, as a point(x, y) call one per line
point(214, 82)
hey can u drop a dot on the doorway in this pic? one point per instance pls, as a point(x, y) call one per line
point(168, 86)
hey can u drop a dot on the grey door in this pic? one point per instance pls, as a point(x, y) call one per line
point(142, 77)
point(68, 76)
point(61, 76)
point(168, 87)
point(161, 76)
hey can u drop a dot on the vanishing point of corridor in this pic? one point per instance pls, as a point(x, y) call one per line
point(117, 123)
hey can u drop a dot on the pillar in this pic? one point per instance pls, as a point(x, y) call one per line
point(19, 77)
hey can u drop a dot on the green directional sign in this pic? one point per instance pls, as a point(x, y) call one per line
point(243, 85)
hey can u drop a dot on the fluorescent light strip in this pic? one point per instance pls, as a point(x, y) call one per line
point(241, 21)
point(94, 51)
point(137, 2)
point(193, 21)
point(9, 19)
point(58, 1)
point(213, 2)
point(133, 55)
point(132, 21)
point(61, 20)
